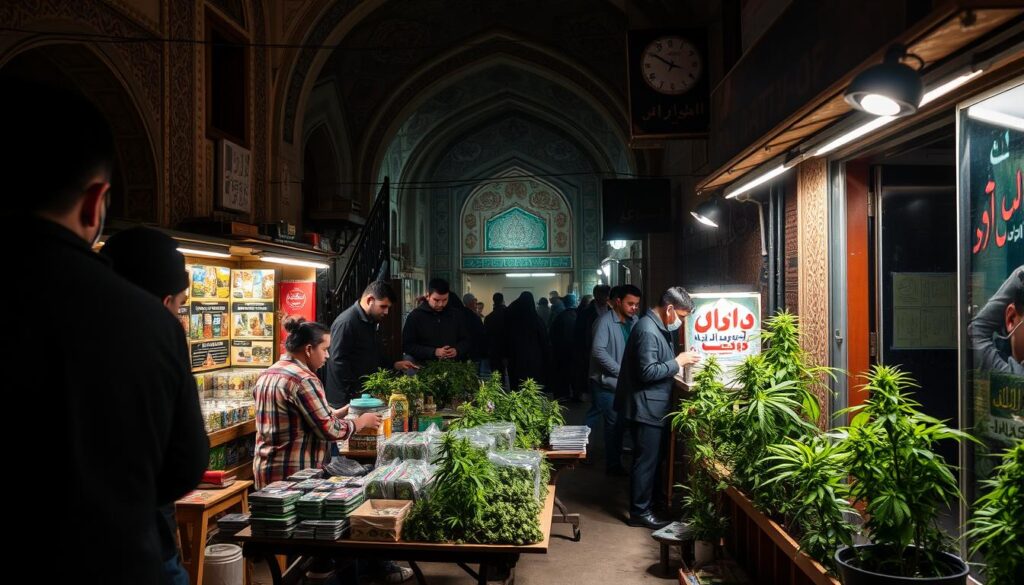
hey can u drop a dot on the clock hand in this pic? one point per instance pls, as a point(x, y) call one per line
point(665, 61)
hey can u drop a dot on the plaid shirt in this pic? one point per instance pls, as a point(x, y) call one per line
point(293, 422)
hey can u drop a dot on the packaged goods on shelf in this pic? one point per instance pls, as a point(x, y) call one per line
point(341, 503)
point(311, 505)
point(311, 473)
point(524, 462)
point(221, 414)
point(230, 524)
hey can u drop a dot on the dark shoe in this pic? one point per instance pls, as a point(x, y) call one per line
point(617, 471)
point(648, 520)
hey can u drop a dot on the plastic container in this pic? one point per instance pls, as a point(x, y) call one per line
point(360, 406)
point(223, 565)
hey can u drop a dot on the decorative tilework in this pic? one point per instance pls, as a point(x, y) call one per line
point(488, 262)
point(516, 229)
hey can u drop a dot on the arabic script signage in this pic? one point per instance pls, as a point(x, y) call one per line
point(725, 325)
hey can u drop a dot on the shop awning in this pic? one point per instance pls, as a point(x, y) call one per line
point(942, 33)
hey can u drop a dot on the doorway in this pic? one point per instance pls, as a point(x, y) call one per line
point(484, 285)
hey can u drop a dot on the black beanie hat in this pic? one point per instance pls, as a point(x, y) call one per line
point(148, 259)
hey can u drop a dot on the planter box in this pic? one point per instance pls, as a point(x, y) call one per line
point(765, 550)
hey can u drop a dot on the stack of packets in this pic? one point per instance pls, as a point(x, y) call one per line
point(410, 447)
point(273, 510)
point(339, 504)
point(570, 438)
point(322, 529)
point(311, 473)
point(231, 524)
point(399, 480)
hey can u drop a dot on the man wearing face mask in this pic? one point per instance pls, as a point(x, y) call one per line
point(644, 393)
point(356, 349)
point(121, 404)
point(996, 335)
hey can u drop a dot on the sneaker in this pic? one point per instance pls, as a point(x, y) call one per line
point(395, 573)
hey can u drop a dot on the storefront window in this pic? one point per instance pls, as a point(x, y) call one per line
point(991, 141)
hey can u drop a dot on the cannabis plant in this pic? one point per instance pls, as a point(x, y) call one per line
point(899, 478)
point(383, 383)
point(449, 381)
point(700, 421)
point(997, 527)
point(533, 413)
point(814, 471)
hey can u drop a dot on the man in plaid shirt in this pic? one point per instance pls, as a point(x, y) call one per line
point(294, 423)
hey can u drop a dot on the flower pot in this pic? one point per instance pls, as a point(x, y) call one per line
point(703, 553)
point(954, 569)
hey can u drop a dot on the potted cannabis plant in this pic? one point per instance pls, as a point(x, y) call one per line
point(997, 528)
point(700, 421)
point(903, 485)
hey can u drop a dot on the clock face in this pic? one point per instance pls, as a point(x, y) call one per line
point(671, 65)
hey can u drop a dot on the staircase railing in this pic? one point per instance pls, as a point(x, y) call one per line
point(370, 259)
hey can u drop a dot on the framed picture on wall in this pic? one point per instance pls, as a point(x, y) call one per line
point(234, 177)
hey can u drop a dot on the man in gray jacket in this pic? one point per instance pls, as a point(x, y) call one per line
point(610, 333)
point(644, 393)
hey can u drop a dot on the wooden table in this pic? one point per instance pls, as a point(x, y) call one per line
point(194, 512)
point(560, 461)
point(485, 555)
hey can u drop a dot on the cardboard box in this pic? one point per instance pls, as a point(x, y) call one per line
point(379, 520)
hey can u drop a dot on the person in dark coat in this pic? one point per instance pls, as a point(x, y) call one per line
point(108, 384)
point(474, 326)
point(527, 343)
point(494, 324)
point(583, 336)
point(543, 310)
point(150, 260)
point(644, 394)
point(433, 331)
point(356, 349)
point(562, 340)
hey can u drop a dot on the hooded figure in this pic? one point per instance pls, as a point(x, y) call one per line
point(526, 342)
point(562, 340)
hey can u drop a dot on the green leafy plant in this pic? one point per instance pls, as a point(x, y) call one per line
point(700, 421)
point(533, 413)
point(450, 382)
point(472, 501)
point(997, 527)
point(383, 383)
point(814, 470)
point(899, 478)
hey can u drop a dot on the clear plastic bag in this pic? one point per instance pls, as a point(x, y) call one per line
point(476, 438)
point(527, 463)
point(399, 480)
point(412, 446)
point(504, 434)
point(344, 466)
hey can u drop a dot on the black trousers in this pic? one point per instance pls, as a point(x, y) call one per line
point(647, 489)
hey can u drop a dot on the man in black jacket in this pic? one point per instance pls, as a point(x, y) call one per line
point(643, 394)
point(104, 368)
point(433, 331)
point(356, 349)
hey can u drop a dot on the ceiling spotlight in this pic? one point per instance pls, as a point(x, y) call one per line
point(708, 212)
point(617, 244)
point(891, 88)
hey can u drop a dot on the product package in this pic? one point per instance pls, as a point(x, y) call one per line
point(527, 463)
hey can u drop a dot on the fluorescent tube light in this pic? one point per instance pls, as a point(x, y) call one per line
point(204, 253)
point(295, 262)
point(758, 181)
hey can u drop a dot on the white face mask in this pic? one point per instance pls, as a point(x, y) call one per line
point(675, 324)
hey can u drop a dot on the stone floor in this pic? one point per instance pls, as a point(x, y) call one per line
point(609, 552)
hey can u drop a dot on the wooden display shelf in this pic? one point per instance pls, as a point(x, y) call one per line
point(231, 433)
point(241, 471)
